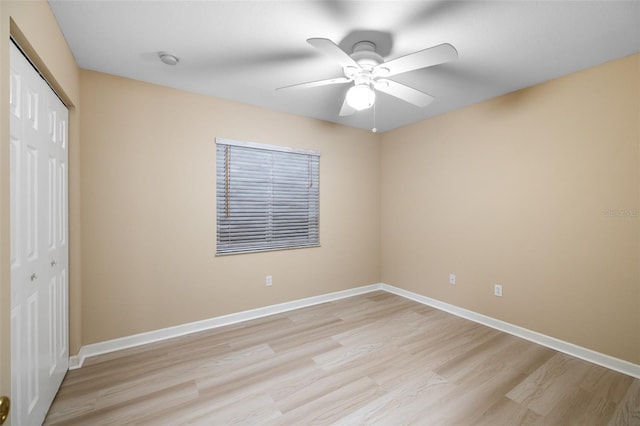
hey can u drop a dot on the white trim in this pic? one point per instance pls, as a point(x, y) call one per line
point(589, 355)
point(100, 348)
point(267, 147)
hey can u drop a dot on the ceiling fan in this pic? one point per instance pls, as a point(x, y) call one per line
point(368, 72)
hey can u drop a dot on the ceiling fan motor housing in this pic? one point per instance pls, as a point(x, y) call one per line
point(364, 53)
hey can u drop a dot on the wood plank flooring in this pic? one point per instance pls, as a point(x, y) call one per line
point(371, 359)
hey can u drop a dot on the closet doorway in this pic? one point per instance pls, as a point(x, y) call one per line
point(39, 241)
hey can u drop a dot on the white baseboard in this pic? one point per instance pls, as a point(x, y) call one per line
point(101, 348)
point(589, 355)
point(607, 361)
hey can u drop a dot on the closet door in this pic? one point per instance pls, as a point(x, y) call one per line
point(39, 247)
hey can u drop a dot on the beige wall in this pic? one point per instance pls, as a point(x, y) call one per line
point(34, 27)
point(148, 209)
point(515, 191)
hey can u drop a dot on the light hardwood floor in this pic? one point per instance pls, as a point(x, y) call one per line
point(370, 359)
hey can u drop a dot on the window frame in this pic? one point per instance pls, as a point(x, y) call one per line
point(275, 199)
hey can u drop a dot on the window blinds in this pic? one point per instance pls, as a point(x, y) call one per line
point(267, 197)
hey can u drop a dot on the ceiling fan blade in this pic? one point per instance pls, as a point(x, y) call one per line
point(338, 80)
point(329, 48)
point(401, 91)
point(346, 109)
point(423, 58)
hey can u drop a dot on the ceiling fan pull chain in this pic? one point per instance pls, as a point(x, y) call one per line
point(374, 130)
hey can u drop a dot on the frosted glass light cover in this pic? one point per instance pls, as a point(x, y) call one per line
point(361, 96)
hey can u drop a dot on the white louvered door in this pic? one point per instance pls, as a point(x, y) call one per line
point(39, 247)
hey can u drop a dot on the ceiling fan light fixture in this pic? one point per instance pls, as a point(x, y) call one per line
point(360, 97)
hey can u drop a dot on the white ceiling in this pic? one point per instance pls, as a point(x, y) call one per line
point(244, 50)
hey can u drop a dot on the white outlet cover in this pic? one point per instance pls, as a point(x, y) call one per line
point(452, 278)
point(497, 290)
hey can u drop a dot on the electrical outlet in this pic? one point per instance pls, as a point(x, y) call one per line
point(497, 290)
point(269, 280)
point(452, 279)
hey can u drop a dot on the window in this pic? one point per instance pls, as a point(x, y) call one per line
point(267, 197)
